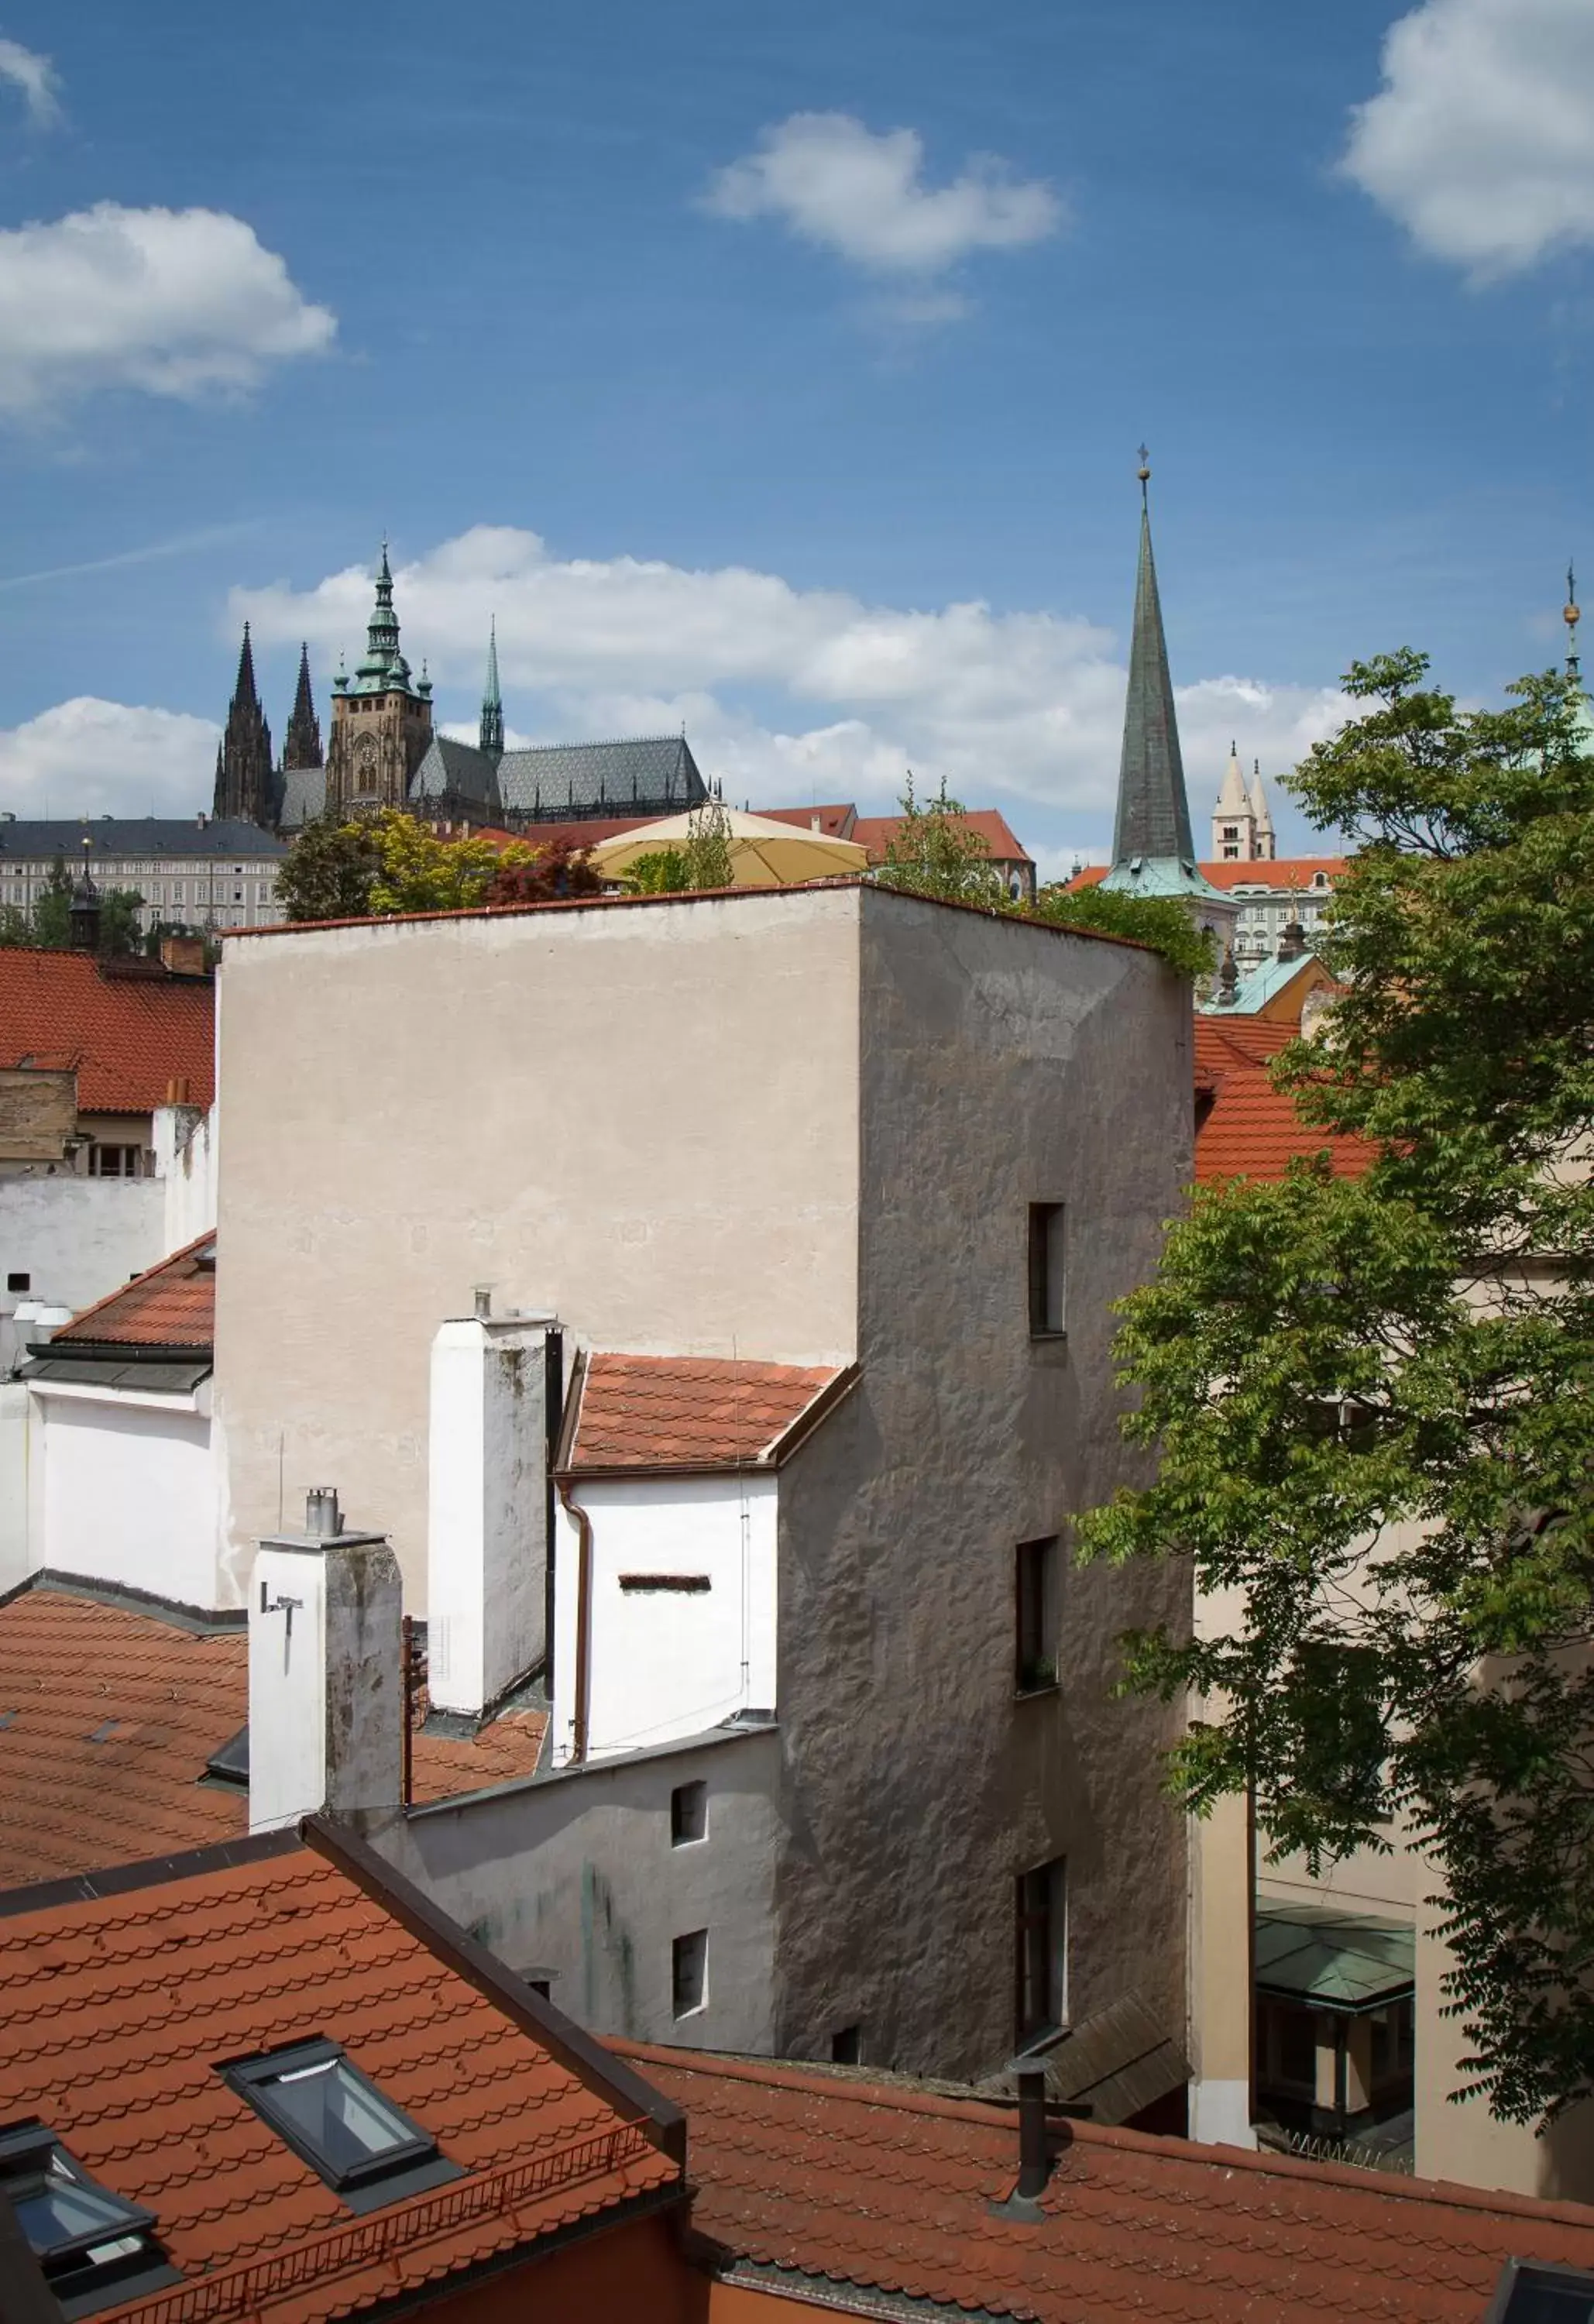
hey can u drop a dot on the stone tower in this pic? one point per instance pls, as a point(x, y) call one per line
point(245, 783)
point(302, 744)
point(382, 718)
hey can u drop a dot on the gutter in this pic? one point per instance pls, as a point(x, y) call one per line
point(582, 1719)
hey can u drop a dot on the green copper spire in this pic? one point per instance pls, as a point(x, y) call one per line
point(490, 735)
point(383, 669)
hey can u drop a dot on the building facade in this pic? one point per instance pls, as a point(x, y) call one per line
point(812, 1128)
point(189, 871)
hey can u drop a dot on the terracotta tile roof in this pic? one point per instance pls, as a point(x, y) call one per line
point(129, 1034)
point(107, 1717)
point(836, 822)
point(876, 832)
point(849, 2183)
point(1251, 1130)
point(172, 1306)
point(1283, 871)
point(574, 836)
point(688, 1412)
point(117, 2012)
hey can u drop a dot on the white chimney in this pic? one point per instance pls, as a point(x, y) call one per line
point(326, 1673)
point(487, 1520)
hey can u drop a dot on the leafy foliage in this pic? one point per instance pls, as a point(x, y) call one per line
point(384, 864)
point(1159, 921)
point(1370, 1396)
point(544, 875)
point(703, 860)
point(935, 852)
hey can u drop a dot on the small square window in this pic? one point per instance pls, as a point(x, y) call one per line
point(19, 1282)
point(1041, 1933)
point(1035, 1613)
point(1047, 1270)
point(339, 2123)
point(689, 1813)
point(689, 1972)
point(846, 2046)
point(94, 2250)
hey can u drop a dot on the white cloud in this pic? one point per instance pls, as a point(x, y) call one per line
point(175, 302)
point(89, 757)
point(1480, 143)
point(790, 694)
point(36, 77)
point(835, 182)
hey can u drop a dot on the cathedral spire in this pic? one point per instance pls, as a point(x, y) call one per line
point(301, 746)
point(490, 736)
point(1153, 853)
point(244, 783)
point(1153, 822)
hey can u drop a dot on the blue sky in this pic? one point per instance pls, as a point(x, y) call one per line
point(779, 370)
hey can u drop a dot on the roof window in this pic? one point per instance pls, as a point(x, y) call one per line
point(1528, 2293)
point(94, 2250)
point(339, 2123)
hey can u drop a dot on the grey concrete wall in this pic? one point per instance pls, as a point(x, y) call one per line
point(641, 1118)
point(1001, 1065)
point(575, 1875)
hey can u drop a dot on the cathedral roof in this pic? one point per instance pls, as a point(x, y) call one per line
point(652, 776)
point(304, 796)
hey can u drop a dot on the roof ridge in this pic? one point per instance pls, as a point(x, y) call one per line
point(150, 1872)
point(777, 2073)
point(186, 1251)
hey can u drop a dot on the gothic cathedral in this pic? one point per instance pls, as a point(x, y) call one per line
point(382, 719)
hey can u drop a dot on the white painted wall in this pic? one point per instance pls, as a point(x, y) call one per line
point(185, 1144)
point(75, 1240)
point(326, 1684)
point(123, 1491)
point(486, 1522)
point(665, 1664)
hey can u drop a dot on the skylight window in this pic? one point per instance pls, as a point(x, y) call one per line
point(1530, 2294)
point(322, 2106)
point(94, 2250)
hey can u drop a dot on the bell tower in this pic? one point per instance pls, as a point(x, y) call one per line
point(382, 718)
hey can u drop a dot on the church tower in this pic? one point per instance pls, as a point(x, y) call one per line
point(382, 718)
point(245, 785)
point(302, 745)
point(490, 733)
point(1242, 821)
point(1153, 853)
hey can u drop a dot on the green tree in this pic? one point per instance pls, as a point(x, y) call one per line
point(417, 871)
point(329, 870)
point(934, 852)
point(1159, 921)
point(120, 932)
point(51, 917)
point(1370, 1396)
point(701, 861)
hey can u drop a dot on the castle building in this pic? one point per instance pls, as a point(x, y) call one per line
point(382, 718)
point(245, 781)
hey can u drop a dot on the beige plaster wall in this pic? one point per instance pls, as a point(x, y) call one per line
point(643, 1117)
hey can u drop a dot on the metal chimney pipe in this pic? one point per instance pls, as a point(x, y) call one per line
point(484, 1299)
point(1033, 2164)
point(321, 1516)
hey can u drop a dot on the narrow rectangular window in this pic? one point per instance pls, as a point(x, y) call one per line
point(1041, 1949)
point(689, 1813)
point(689, 1972)
point(846, 2046)
point(1035, 1613)
point(1047, 1270)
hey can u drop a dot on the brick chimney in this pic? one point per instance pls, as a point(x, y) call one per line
point(496, 1390)
point(182, 955)
point(326, 1683)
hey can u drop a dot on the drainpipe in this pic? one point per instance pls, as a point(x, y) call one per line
point(583, 1618)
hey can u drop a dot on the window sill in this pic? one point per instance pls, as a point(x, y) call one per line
point(1042, 1686)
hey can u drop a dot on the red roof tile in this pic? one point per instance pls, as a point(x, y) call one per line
point(876, 832)
point(688, 1412)
point(851, 2183)
point(117, 2011)
point(836, 822)
point(161, 1698)
point(1251, 1130)
point(129, 1034)
point(172, 1306)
